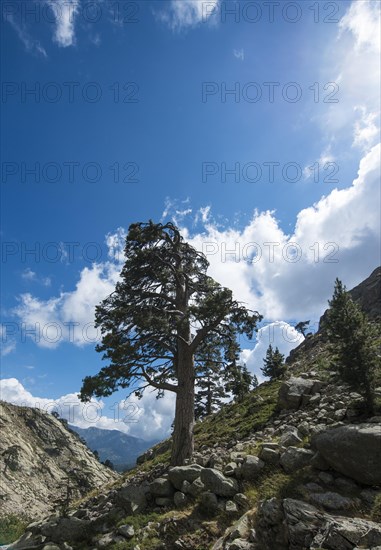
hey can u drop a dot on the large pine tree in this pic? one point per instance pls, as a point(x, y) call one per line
point(163, 310)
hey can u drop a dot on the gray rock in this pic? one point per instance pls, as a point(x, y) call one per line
point(289, 438)
point(178, 474)
point(269, 455)
point(231, 507)
point(251, 468)
point(209, 502)
point(133, 499)
point(339, 533)
point(230, 468)
point(319, 462)
point(240, 544)
point(66, 529)
point(294, 459)
point(352, 450)
point(331, 501)
point(195, 488)
point(164, 501)
point(291, 392)
point(241, 500)
point(127, 531)
point(180, 499)
point(217, 483)
point(161, 487)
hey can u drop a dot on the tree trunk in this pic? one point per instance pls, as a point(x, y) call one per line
point(182, 439)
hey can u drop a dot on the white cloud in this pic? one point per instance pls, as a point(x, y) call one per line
point(148, 418)
point(65, 12)
point(337, 236)
point(278, 334)
point(31, 44)
point(239, 54)
point(69, 317)
point(7, 342)
point(181, 14)
point(28, 274)
point(352, 63)
point(283, 276)
point(363, 21)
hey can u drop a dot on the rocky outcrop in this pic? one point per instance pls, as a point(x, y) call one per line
point(292, 391)
point(294, 524)
point(353, 450)
point(41, 460)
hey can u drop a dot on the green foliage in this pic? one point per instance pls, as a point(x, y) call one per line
point(353, 342)
point(302, 327)
point(239, 381)
point(239, 419)
point(274, 366)
point(11, 528)
point(146, 325)
point(376, 509)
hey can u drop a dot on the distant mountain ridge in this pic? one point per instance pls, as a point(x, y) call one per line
point(121, 449)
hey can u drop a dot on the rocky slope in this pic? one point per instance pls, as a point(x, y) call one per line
point(38, 455)
point(295, 465)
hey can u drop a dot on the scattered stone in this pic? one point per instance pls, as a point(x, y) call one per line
point(295, 458)
point(251, 468)
point(127, 531)
point(241, 500)
point(217, 483)
point(231, 507)
point(133, 499)
point(161, 487)
point(180, 500)
point(178, 474)
point(209, 502)
point(289, 438)
point(331, 501)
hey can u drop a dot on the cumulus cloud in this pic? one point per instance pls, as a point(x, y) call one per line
point(65, 12)
point(148, 418)
point(283, 276)
point(352, 64)
point(69, 317)
point(279, 334)
point(181, 14)
point(290, 276)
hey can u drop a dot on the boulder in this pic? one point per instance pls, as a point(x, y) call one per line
point(341, 533)
point(66, 529)
point(209, 502)
point(353, 450)
point(295, 458)
point(161, 487)
point(178, 474)
point(251, 468)
point(180, 499)
point(217, 483)
point(291, 392)
point(289, 438)
point(132, 498)
point(331, 501)
point(269, 455)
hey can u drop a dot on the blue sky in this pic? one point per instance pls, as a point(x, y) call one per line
point(132, 122)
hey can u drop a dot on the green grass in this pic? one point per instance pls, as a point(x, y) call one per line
point(11, 528)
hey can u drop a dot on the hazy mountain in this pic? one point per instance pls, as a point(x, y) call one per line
point(114, 445)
